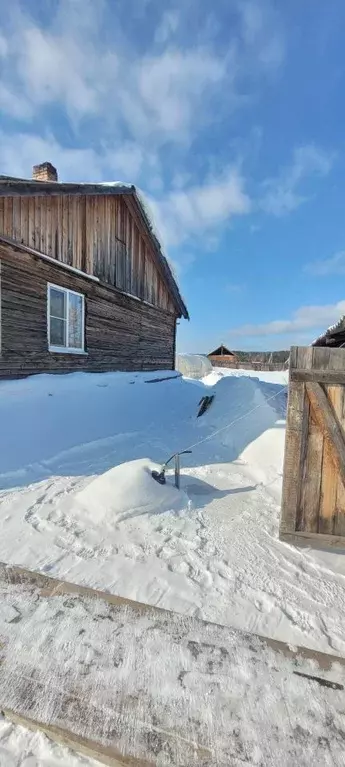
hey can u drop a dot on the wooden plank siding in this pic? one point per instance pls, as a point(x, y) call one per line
point(121, 333)
point(313, 505)
point(97, 234)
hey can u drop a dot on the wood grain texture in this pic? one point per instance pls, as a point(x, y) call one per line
point(222, 361)
point(331, 483)
point(319, 541)
point(122, 333)
point(49, 586)
point(94, 233)
point(101, 691)
point(319, 376)
point(64, 737)
point(339, 516)
point(336, 488)
point(295, 441)
point(322, 502)
point(327, 421)
point(316, 456)
point(310, 465)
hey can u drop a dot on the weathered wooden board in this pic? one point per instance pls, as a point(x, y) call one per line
point(227, 361)
point(121, 333)
point(313, 506)
point(133, 685)
point(92, 233)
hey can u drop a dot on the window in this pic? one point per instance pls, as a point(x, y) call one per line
point(66, 320)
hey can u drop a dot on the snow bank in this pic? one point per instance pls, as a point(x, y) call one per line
point(243, 408)
point(267, 376)
point(48, 420)
point(62, 442)
point(46, 416)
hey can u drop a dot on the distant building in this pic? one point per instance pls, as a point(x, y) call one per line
point(222, 357)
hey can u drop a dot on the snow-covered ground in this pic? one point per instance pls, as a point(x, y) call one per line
point(212, 550)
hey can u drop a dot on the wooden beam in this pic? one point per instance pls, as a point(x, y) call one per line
point(52, 587)
point(64, 737)
point(111, 708)
point(333, 377)
point(318, 541)
point(327, 420)
point(295, 441)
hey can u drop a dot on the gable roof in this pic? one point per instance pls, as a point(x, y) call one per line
point(222, 350)
point(11, 186)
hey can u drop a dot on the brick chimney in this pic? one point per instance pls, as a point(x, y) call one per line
point(44, 172)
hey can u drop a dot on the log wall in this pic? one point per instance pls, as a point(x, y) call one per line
point(97, 234)
point(121, 333)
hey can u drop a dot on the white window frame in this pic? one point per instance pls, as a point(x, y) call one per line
point(65, 349)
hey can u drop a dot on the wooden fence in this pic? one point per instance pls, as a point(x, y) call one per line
point(313, 505)
point(220, 362)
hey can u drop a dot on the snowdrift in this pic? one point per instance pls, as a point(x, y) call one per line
point(127, 491)
point(242, 410)
point(45, 417)
point(85, 424)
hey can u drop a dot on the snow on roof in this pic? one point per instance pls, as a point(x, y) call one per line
point(151, 220)
point(340, 325)
point(115, 184)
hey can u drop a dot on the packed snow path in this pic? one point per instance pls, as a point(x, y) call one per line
point(216, 554)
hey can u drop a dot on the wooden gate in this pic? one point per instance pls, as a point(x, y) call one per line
point(313, 505)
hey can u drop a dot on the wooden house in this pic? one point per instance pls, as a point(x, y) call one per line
point(222, 357)
point(84, 284)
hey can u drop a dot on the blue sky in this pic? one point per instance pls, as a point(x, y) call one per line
point(229, 116)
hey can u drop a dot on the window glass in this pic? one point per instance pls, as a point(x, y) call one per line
point(57, 303)
point(75, 321)
point(57, 332)
point(66, 319)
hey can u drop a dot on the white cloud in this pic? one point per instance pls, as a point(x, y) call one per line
point(303, 319)
point(127, 161)
point(87, 62)
point(124, 161)
point(133, 101)
point(14, 105)
point(19, 152)
point(261, 32)
point(73, 64)
point(282, 194)
point(57, 69)
point(333, 265)
point(169, 89)
point(168, 26)
point(197, 209)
